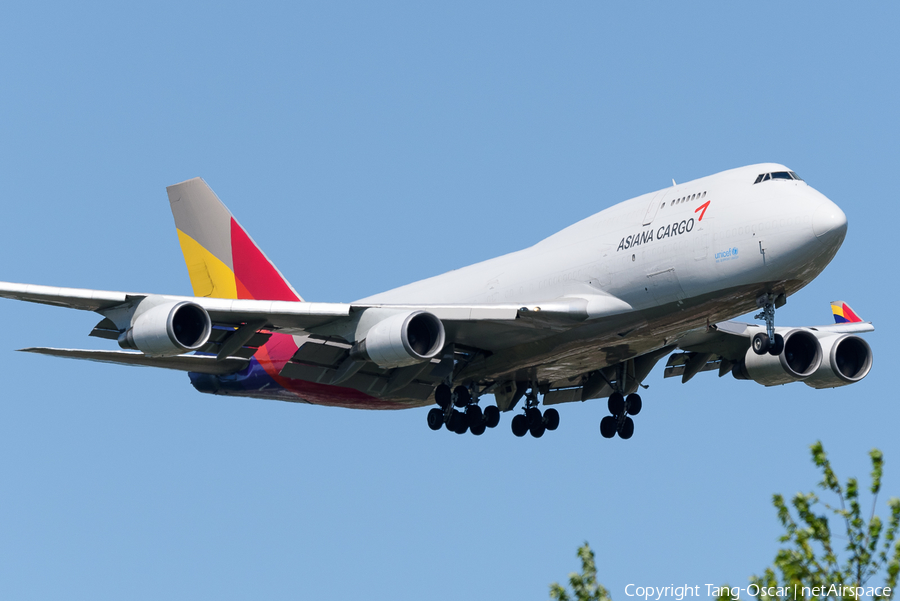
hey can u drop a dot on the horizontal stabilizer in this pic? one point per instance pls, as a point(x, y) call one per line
point(203, 364)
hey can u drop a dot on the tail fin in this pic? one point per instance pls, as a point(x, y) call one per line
point(843, 313)
point(222, 260)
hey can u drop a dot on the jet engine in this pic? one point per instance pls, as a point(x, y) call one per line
point(402, 339)
point(846, 359)
point(168, 329)
point(801, 357)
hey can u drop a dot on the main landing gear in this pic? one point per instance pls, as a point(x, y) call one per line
point(533, 420)
point(460, 412)
point(768, 341)
point(621, 407)
point(619, 422)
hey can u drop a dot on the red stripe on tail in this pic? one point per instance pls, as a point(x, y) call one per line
point(849, 315)
point(256, 277)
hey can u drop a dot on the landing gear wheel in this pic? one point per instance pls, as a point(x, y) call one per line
point(477, 429)
point(777, 346)
point(551, 419)
point(627, 429)
point(474, 416)
point(533, 416)
point(463, 396)
point(616, 403)
point(519, 425)
point(457, 422)
point(435, 419)
point(491, 416)
point(537, 429)
point(608, 427)
point(442, 396)
point(633, 404)
point(760, 343)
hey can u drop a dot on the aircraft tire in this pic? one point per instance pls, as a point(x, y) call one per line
point(442, 396)
point(435, 419)
point(616, 404)
point(463, 396)
point(457, 422)
point(608, 426)
point(777, 346)
point(760, 343)
point(491, 416)
point(477, 429)
point(627, 429)
point(634, 404)
point(551, 419)
point(474, 415)
point(533, 415)
point(537, 429)
point(519, 425)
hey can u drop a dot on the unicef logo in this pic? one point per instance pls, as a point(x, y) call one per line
point(729, 254)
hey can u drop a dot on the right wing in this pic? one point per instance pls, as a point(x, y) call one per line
point(482, 326)
point(204, 364)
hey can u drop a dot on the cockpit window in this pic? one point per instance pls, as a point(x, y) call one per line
point(777, 175)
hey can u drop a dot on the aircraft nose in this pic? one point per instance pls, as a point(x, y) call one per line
point(829, 222)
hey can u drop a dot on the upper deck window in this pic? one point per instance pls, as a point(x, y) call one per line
point(777, 175)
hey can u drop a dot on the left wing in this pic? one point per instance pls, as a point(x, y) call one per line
point(822, 356)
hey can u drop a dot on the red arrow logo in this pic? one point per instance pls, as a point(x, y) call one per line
point(702, 208)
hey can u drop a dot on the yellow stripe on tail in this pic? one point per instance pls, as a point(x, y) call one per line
point(209, 276)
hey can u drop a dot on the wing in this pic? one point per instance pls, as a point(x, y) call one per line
point(196, 363)
point(726, 344)
point(235, 322)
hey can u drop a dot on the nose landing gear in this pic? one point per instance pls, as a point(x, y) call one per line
point(768, 341)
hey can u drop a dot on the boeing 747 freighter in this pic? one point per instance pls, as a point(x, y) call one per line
point(584, 314)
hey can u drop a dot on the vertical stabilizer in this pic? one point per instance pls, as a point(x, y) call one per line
point(222, 260)
point(843, 313)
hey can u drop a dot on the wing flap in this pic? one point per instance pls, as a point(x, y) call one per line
point(678, 364)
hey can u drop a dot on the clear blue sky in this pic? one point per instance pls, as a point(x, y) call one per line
point(367, 145)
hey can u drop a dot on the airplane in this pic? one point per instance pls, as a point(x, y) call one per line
point(583, 314)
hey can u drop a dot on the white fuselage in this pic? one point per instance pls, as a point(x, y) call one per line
point(663, 254)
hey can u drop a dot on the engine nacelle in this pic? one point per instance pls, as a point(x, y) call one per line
point(801, 357)
point(846, 359)
point(402, 339)
point(168, 329)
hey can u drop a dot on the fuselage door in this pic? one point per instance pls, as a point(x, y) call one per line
point(655, 204)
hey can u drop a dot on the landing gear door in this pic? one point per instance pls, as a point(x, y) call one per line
point(655, 204)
